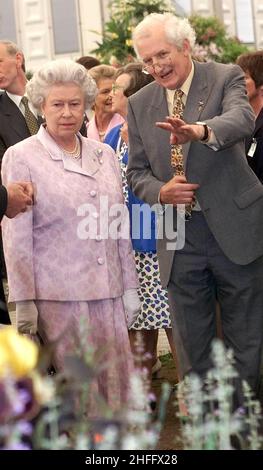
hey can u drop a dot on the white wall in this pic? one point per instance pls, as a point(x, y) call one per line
point(35, 34)
point(34, 28)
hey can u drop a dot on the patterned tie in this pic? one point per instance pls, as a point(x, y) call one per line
point(177, 160)
point(31, 120)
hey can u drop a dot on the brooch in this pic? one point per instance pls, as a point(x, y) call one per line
point(99, 153)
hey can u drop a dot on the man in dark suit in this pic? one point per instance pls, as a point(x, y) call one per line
point(13, 125)
point(220, 254)
point(252, 64)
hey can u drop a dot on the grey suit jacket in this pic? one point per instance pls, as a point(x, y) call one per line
point(230, 195)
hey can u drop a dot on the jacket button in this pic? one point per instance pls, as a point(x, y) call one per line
point(98, 238)
point(93, 193)
point(100, 260)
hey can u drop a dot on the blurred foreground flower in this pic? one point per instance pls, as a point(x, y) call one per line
point(65, 411)
point(18, 355)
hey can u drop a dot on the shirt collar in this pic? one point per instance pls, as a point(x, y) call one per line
point(185, 88)
point(15, 98)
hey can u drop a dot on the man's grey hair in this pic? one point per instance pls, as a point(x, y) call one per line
point(13, 49)
point(176, 29)
point(60, 72)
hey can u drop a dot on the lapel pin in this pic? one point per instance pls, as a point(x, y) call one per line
point(200, 105)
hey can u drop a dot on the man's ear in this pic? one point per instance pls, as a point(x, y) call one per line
point(19, 59)
point(186, 47)
point(261, 91)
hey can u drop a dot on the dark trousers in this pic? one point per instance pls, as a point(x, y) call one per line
point(4, 315)
point(202, 274)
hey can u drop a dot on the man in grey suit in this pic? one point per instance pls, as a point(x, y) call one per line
point(221, 258)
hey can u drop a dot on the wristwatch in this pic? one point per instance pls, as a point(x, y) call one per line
point(207, 131)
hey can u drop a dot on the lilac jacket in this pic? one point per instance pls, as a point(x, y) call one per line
point(49, 255)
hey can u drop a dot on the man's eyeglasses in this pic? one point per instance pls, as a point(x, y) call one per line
point(116, 87)
point(163, 59)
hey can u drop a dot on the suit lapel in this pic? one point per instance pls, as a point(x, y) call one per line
point(198, 95)
point(157, 110)
point(16, 119)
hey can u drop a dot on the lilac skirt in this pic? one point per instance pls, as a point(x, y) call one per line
point(100, 325)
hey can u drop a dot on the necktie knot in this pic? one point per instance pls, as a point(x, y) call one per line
point(30, 118)
point(24, 100)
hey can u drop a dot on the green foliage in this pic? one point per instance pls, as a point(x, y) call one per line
point(116, 44)
point(213, 42)
point(232, 48)
point(212, 423)
point(208, 30)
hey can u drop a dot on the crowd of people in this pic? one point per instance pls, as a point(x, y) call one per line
point(133, 199)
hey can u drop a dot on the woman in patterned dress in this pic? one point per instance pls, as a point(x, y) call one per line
point(154, 303)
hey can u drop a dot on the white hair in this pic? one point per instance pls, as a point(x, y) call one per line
point(60, 71)
point(176, 29)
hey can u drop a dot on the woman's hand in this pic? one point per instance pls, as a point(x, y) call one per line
point(124, 133)
point(26, 317)
point(132, 305)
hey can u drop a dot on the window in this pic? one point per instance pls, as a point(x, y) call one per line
point(182, 7)
point(7, 21)
point(244, 21)
point(65, 27)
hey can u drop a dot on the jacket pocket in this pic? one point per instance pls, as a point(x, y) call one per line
point(249, 196)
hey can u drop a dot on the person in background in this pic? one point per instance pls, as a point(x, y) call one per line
point(104, 119)
point(186, 153)
point(252, 64)
point(88, 61)
point(63, 264)
point(14, 125)
point(154, 303)
point(13, 199)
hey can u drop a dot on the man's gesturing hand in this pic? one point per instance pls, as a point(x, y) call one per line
point(20, 195)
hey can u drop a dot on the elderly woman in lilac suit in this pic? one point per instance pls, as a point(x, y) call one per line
point(69, 257)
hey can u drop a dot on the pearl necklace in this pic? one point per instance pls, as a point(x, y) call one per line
point(75, 153)
point(101, 134)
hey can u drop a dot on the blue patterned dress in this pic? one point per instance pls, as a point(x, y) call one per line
point(154, 310)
